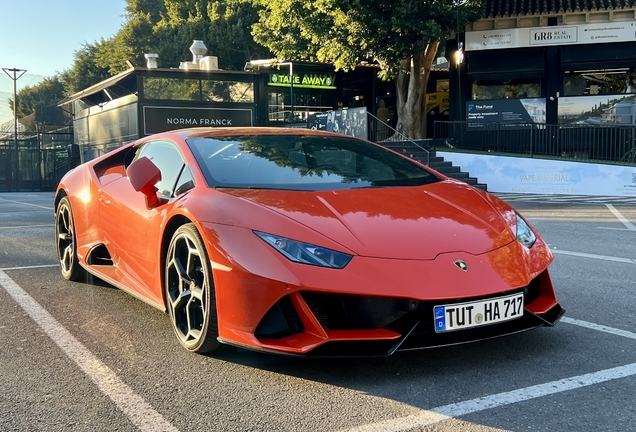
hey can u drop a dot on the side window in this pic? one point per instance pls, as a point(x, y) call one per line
point(185, 182)
point(168, 159)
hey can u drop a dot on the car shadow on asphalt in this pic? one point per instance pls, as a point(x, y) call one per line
point(518, 360)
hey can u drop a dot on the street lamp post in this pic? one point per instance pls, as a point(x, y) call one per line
point(15, 76)
point(15, 79)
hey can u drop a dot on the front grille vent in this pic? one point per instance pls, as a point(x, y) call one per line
point(280, 321)
point(349, 312)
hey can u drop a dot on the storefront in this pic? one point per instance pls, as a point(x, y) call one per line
point(543, 97)
point(545, 67)
point(142, 101)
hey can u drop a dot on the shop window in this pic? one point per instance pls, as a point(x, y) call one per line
point(305, 104)
point(506, 89)
point(228, 91)
point(172, 89)
point(276, 107)
point(198, 90)
point(599, 82)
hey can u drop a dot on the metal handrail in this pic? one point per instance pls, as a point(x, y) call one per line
point(395, 136)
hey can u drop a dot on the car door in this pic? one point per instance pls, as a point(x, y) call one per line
point(131, 229)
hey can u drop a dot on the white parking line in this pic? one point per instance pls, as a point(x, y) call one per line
point(630, 226)
point(447, 412)
point(29, 267)
point(138, 411)
point(532, 392)
point(28, 226)
point(29, 204)
point(593, 256)
point(598, 327)
point(616, 229)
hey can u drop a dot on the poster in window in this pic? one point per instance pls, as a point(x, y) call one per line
point(483, 113)
point(598, 110)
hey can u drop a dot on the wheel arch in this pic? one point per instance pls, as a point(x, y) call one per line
point(172, 226)
point(61, 193)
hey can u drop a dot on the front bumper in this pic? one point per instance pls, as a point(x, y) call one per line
point(331, 325)
point(372, 307)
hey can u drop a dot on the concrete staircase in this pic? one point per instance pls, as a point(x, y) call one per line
point(446, 167)
point(432, 160)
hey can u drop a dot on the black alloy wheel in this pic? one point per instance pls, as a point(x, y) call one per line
point(190, 294)
point(66, 245)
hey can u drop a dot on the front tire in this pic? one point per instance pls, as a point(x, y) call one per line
point(66, 242)
point(190, 293)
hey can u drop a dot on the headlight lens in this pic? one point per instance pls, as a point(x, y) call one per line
point(306, 253)
point(524, 234)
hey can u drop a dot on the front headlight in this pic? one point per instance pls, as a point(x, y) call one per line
point(525, 236)
point(306, 253)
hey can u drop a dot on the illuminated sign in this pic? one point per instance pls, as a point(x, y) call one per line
point(312, 81)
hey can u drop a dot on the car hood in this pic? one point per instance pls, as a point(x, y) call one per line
point(396, 222)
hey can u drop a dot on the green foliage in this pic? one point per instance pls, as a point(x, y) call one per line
point(35, 103)
point(165, 27)
point(46, 93)
point(168, 27)
point(346, 32)
point(85, 71)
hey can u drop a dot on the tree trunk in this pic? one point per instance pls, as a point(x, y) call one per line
point(410, 86)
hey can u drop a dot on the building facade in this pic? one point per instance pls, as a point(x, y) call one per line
point(546, 62)
point(147, 100)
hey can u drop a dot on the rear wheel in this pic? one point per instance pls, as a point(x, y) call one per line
point(190, 294)
point(66, 244)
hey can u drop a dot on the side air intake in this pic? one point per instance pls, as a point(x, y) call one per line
point(99, 256)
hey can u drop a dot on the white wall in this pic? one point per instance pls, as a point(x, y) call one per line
point(541, 176)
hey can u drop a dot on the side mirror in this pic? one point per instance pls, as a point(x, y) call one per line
point(143, 175)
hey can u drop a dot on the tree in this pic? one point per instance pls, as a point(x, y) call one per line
point(85, 71)
point(165, 27)
point(46, 93)
point(168, 27)
point(35, 103)
point(402, 36)
point(134, 38)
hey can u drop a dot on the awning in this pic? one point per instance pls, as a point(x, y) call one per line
point(114, 87)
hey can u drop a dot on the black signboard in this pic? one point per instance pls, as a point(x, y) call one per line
point(506, 111)
point(162, 119)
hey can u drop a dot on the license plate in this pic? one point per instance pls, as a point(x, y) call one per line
point(478, 313)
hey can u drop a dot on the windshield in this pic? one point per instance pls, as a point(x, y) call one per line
point(302, 162)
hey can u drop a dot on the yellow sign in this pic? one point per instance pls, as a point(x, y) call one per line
point(438, 101)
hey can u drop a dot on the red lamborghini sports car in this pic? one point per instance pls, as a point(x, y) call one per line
point(302, 242)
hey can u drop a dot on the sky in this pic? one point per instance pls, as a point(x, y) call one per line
point(42, 35)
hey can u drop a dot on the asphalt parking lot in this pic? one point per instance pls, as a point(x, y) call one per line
point(86, 356)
